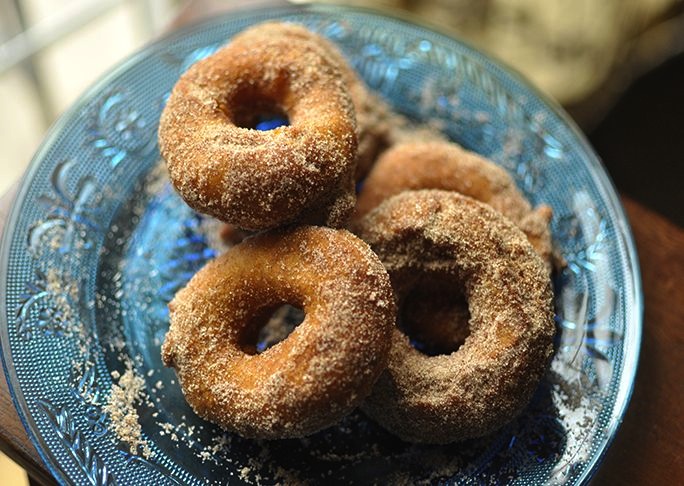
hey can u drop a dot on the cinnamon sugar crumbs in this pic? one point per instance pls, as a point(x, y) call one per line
point(125, 394)
point(64, 290)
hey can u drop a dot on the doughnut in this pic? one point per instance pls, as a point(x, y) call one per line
point(442, 235)
point(445, 165)
point(255, 179)
point(315, 376)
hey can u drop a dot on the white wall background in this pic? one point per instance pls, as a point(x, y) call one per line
point(66, 68)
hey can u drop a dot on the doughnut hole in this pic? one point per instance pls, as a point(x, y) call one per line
point(270, 121)
point(257, 107)
point(261, 115)
point(269, 327)
point(435, 318)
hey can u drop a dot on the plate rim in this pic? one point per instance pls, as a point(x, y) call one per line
point(605, 186)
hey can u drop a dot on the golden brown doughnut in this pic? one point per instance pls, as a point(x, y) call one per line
point(446, 236)
point(445, 165)
point(321, 371)
point(261, 179)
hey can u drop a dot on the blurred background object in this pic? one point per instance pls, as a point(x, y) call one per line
point(51, 51)
point(573, 50)
point(11, 473)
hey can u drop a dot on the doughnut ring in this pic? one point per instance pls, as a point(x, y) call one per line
point(445, 165)
point(261, 179)
point(491, 377)
point(315, 376)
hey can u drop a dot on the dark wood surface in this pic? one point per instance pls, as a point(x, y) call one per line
point(649, 448)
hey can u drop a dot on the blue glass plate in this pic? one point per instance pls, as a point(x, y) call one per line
point(98, 243)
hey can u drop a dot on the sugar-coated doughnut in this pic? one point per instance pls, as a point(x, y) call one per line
point(255, 179)
point(475, 390)
point(445, 165)
point(315, 376)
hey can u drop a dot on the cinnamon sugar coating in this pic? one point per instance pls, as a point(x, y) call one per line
point(262, 179)
point(321, 371)
point(374, 120)
point(471, 392)
point(447, 166)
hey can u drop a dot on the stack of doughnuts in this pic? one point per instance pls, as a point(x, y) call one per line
point(440, 246)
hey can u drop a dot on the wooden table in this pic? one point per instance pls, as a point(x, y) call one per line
point(649, 448)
